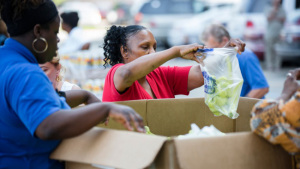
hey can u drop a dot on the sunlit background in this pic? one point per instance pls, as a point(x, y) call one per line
point(179, 22)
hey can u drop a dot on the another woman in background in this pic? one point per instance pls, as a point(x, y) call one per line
point(34, 119)
point(279, 120)
point(74, 95)
point(137, 72)
point(53, 70)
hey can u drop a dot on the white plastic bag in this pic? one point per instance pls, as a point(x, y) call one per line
point(222, 80)
point(206, 131)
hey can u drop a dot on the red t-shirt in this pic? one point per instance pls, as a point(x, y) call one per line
point(165, 82)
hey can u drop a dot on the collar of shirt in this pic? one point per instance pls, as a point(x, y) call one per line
point(19, 48)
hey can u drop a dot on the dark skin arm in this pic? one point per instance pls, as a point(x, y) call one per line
point(127, 74)
point(69, 123)
point(290, 85)
point(258, 93)
point(76, 97)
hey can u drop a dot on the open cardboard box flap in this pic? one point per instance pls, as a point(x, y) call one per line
point(234, 150)
point(122, 149)
point(172, 117)
point(112, 148)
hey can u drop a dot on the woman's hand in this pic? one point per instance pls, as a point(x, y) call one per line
point(295, 73)
point(290, 85)
point(188, 51)
point(236, 42)
point(126, 116)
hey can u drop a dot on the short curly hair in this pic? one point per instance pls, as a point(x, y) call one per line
point(116, 37)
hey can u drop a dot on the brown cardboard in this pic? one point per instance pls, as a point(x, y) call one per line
point(112, 148)
point(122, 149)
point(171, 117)
point(139, 106)
point(234, 151)
point(244, 108)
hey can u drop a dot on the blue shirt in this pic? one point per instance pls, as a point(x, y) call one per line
point(251, 72)
point(27, 97)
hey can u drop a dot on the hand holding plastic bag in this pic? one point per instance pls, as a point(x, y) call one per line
point(222, 80)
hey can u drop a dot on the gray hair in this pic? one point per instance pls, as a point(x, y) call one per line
point(217, 31)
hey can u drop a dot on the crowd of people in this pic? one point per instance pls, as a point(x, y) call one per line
point(37, 104)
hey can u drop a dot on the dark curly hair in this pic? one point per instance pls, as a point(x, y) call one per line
point(116, 37)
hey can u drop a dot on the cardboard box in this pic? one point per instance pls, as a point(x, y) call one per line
point(107, 148)
point(172, 117)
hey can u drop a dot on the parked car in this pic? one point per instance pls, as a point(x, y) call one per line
point(189, 30)
point(158, 15)
point(244, 20)
point(289, 46)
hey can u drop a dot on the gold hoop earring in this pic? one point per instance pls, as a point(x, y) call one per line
point(44, 40)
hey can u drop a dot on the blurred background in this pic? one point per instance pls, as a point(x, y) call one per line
point(178, 22)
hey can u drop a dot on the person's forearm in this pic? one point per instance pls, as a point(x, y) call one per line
point(76, 97)
point(146, 64)
point(69, 123)
point(92, 99)
point(258, 93)
point(284, 97)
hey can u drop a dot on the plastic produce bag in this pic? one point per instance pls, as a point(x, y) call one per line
point(222, 80)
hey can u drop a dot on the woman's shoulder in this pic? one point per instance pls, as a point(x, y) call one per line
point(113, 69)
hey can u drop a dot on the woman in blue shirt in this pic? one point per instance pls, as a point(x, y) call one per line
point(33, 117)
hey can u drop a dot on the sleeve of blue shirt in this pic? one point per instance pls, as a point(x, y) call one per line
point(32, 96)
point(251, 72)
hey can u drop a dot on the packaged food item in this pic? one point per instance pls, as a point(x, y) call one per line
point(222, 80)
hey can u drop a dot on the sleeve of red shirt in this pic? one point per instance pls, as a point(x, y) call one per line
point(110, 92)
point(178, 78)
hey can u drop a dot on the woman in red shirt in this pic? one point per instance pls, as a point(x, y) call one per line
point(136, 73)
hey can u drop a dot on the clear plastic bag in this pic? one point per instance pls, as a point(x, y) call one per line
point(222, 80)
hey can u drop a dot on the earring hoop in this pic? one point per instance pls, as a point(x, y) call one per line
point(42, 39)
